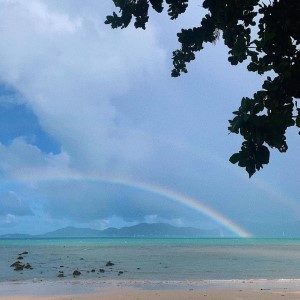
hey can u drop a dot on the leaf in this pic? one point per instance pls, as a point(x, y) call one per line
point(157, 5)
point(269, 86)
point(269, 36)
point(247, 104)
point(250, 168)
point(298, 121)
point(109, 19)
point(263, 155)
point(243, 158)
point(234, 158)
point(257, 108)
point(235, 124)
point(246, 117)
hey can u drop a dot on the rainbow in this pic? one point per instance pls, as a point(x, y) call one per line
point(177, 198)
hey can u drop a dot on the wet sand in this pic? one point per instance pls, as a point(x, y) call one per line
point(151, 290)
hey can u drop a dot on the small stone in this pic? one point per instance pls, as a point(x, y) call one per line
point(109, 264)
point(120, 272)
point(61, 274)
point(101, 270)
point(76, 273)
point(93, 270)
point(20, 257)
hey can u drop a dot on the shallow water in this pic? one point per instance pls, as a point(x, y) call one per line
point(152, 259)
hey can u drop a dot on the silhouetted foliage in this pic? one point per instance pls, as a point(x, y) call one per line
point(267, 37)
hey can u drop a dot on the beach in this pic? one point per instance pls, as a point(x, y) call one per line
point(150, 269)
point(153, 295)
point(151, 290)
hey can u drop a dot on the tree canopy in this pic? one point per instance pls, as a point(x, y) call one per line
point(267, 37)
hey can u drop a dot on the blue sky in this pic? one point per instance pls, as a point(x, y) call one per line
point(80, 101)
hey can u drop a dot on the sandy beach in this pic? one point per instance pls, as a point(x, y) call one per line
point(166, 295)
point(151, 290)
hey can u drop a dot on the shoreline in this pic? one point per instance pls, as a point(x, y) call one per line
point(151, 289)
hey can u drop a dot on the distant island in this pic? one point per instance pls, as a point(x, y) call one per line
point(140, 230)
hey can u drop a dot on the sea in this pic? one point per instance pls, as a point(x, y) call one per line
point(149, 259)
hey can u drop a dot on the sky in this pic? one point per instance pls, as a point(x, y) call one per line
point(95, 133)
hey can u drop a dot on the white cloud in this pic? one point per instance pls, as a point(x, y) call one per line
point(68, 67)
point(22, 161)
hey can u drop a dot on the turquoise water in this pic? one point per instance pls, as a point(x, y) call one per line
point(152, 259)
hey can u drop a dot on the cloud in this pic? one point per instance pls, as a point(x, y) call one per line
point(106, 97)
point(11, 205)
point(68, 68)
point(22, 161)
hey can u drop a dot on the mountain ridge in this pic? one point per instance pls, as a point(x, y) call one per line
point(138, 230)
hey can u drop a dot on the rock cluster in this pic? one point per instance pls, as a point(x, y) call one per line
point(18, 266)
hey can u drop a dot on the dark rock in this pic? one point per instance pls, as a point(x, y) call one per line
point(15, 263)
point(61, 274)
point(137, 268)
point(19, 267)
point(61, 266)
point(101, 270)
point(25, 252)
point(20, 257)
point(81, 258)
point(120, 272)
point(76, 273)
point(28, 266)
point(109, 264)
point(93, 270)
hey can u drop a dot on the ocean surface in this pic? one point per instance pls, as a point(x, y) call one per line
point(151, 259)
